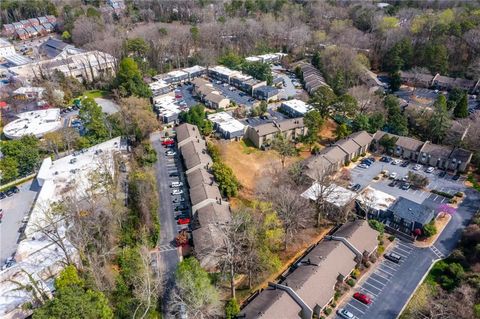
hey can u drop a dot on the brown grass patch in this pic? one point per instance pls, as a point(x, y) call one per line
point(327, 133)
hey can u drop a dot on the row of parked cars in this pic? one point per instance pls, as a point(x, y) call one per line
point(9, 192)
point(70, 109)
point(180, 212)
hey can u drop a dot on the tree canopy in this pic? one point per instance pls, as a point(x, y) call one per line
point(129, 79)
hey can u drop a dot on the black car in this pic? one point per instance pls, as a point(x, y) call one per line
point(174, 174)
point(456, 177)
point(405, 164)
point(356, 187)
point(393, 257)
point(386, 159)
point(15, 189)
point(366, 162)
point(9, 192)
point(371, 159)
point(177, 208)
point(2, 195)
point(442, 174)
point(183, 215)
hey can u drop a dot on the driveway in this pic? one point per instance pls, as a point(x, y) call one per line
point(391, 285)
point(15, 208)
point(237, 96)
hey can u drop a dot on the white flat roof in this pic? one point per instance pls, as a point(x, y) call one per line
point(29, 89)
point(253, 59)
point(36, 254)
point(193, 69)
point(334, 194)
point(4, 42)
point(226, 122)
point(166, 104)
point(160, 84)
point(35, 122)
point(176, 73)
point(376, 199)
point(17, 59)
point(224, 70)
point(298, 105)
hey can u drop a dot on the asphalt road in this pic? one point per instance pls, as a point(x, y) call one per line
point(391, 285)
point(15, 208)
point(234, 95)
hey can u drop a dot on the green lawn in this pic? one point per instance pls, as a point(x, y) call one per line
point(91, 93)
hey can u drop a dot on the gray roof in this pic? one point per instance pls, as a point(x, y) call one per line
point(409, 143)
point(411, 211)
point(362, 138)
point(195, 153)
point(266, 89)
point(437, 151)
point(334, 154)
point(213, 213)
point(199, 176)
point(360, 235)
point(291, 124)
point(348, 145)
point(203, 192)
point(208, 241)
point(317, 166)
point(53, 47)
point(187, 131)
point(462, 155)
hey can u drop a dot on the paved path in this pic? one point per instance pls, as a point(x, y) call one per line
point(390, 285)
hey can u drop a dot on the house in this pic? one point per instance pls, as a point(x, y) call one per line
point(406, 216)
point(228, 127)
point(195, 155)
point(22, 34)
point(203, 90)
point(29, 92)
point(427, 153)
point(209, 241)
point(261, 135)
point(25, 23)
point(267, 58)
point(416, 79)
point(309, 285)
point(204, 194)
point(198, 82)
point(53, 48)
point(186, 133)
point(167, 108)
point(40, 30)
point(199, 176)
point(216, 101)
point(295, 108)
point(351, 148)
point(267, 93)
point(8, 30)
point(34, 22)
point(18, 25)
point(213, 213)
point(374, 203)
point(363, 140)
point(195, 71)
point(312, 78)
point(42, 20)
point(221, 73)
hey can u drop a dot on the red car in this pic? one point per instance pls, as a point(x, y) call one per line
point(362, 298)
point(168, 142)
point(178, 96)
point(183, 221)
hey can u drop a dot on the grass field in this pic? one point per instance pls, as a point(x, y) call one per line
point(91, 93)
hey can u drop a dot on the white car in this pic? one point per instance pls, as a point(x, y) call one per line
point(345, 314)
point(417, 167)
point(363, 165)
point(171, 153)
point(177, 192)
point(393, 175)
point(430, 169)
point(396, 162)
point(176, 184)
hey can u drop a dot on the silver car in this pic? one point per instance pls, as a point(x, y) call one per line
point(345, 314)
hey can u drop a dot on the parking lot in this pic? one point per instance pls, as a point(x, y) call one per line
point(235, 95)
point(385, 274)
point(364, 177)
point(186, 91)
point(15, 209)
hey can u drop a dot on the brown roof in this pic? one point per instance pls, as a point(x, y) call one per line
point(200, 81)
point(348, 145)
point(462, 155)
point(362, 138)
point(360, 235)
point(208, 240)
point(291, 124)
point(265, 129)
point(271, 303)
point(195, 153)
point(199, 176)
point(437, 151)
point(213, 213)
point(409, 143)
point(203, 192)
point(215, 98)
point(379, 134)
point(187, 131)
point(333, 154)
point(316, 166)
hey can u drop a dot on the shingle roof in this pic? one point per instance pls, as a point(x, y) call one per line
point(460, 154)
point(409, 143)
point(438, 151)
point(199, 176)
point(411, 211)
point(348, 145)
point(199, 81)
point(203, 192)
point(265, 129)
point(334, 154)
point(213, 213)
point(290, 124)
point(362, 138)
point(187, 131)
point(208, 240)
point(360, 235)
point(215, 98)
point(195, 153)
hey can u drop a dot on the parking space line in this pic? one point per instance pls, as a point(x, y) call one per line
point(383, 270)
point(389, 267)
point(362, 312)
point(368, 291)
point(381, 283)
point(404, 252)
point(375, 273)
point(403, 244)
point(366, 282)
point(359, 302)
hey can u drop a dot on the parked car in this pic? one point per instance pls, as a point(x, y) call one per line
point(371, 159)
point(178, 208)
point(386, 159)
point(174, 174)
point(168, 142)
point(366, 161)
point(442, 174)
point(456, 177)
point(345, 314)
point(405, 186)
point(182, 215)
point(171, 153)
point(396, 162)
point(9, 192)
point(393, 175)
point(178, 199)
point(430, 169)
point(2, 195)
point(392, 183)
point(177, 192)
point(363, 166)
point(363, 298)
point(417, 167)
point(356, 187)
point(405, 163)
point(183, 221)
point(393, 257)
point(176, 184)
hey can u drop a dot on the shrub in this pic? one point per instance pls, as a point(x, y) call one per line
point(337, 295)
point(347, 163)
point(380, 250)
point(355, 159)
point(327, 311)
point(232, 308)
point(376, 178)
point(476, 310)
point(381, 242)
point(447, 195)
point(373, 258)
point(351, 282)
point(378, 226)
point(452, 201)
point(429, 229)
point(333, 304)
point(363, 154)
point(355, 273)
point(391, 238)
point(459, 194)
point(367, 264)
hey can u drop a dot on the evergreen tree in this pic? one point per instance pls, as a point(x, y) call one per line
point(129, 79)
point(461, 109)
point(439, 122)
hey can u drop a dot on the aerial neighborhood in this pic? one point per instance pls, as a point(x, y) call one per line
point(239, 159)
